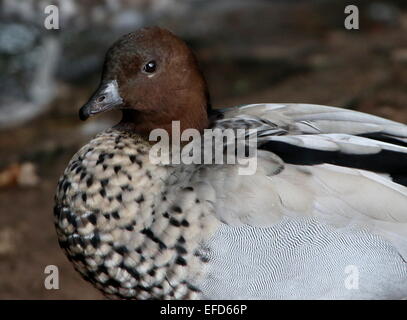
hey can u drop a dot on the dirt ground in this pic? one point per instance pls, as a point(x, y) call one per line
point(366, 72)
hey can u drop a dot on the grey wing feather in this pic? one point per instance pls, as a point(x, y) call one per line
point(316, 119)
point(340, 166)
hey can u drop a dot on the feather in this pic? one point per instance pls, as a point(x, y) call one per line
point(338, 166)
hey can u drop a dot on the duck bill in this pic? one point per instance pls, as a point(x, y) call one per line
point(106, 98)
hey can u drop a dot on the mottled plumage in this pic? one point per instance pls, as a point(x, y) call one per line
point(130, 227)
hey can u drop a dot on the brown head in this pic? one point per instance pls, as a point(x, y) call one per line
point(154, 78)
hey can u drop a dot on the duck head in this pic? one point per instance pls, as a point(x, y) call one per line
point(154, 78)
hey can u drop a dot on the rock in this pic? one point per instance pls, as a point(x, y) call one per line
point(27, 66)
point(382, 12)
point(33, 59)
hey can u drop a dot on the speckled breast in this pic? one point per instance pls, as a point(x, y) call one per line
point(124, 227)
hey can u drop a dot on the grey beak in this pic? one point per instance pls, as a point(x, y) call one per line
point(105, 98)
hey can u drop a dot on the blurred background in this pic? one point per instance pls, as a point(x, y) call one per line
point(250, 51)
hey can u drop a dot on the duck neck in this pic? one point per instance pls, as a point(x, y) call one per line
point(191, 111)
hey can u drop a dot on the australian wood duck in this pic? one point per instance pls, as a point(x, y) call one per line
point(324, 216)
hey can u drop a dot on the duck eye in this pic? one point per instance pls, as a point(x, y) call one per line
point(150, 67)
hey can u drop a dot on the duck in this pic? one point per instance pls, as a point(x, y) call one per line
point(322, 217)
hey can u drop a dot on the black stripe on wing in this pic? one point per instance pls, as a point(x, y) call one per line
point(379, 136)
point(386, 161)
